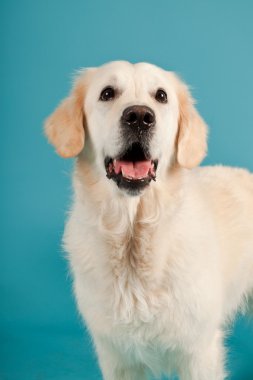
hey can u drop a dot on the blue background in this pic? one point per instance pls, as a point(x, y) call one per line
point(210, 43)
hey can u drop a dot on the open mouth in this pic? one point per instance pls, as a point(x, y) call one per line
point(133, 170)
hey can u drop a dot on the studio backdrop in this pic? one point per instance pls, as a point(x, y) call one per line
point(209, 43)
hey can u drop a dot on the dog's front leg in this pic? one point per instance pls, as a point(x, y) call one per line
point(204, 363)
point(114, 367)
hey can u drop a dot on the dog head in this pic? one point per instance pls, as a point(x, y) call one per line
point(138, 119)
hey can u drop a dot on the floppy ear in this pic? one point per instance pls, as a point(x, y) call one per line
point(192, 131)
point(65, 127)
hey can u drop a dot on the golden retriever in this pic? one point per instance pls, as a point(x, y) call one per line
point(161, 251)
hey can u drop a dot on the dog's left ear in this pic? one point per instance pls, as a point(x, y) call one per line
point(192, 131)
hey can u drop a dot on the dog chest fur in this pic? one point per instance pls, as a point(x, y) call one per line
point(135, 278)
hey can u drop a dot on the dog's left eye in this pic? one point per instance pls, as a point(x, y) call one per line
point(161, 96)
point(107, 94)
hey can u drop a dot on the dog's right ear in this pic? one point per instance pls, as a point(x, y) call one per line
point(65, 127)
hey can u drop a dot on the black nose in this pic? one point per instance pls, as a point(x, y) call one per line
point(141, 117)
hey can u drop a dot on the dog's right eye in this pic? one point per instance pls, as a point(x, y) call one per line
point(107, 94)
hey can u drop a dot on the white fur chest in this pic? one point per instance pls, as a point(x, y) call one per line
point(113, 260)
point(130, 288)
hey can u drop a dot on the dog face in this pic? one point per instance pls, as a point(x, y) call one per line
point(139, 120)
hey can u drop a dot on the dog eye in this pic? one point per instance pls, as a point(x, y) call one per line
point(161, 96)
point(107, 94)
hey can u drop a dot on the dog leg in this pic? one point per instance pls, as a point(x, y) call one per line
point(114, 367)
point(124, 374)
point(206, 363)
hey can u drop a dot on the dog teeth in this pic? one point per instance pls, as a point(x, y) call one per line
point(129, 177)
point(125, 175)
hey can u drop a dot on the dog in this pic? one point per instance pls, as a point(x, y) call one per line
point(160, 249)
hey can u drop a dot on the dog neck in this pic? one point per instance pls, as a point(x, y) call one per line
point(118, 217)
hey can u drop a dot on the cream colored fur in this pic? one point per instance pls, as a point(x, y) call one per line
point(156, 276)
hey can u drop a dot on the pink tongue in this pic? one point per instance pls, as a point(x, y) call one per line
point(134, 170)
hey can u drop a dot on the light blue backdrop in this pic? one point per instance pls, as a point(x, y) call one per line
point(210, 43)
